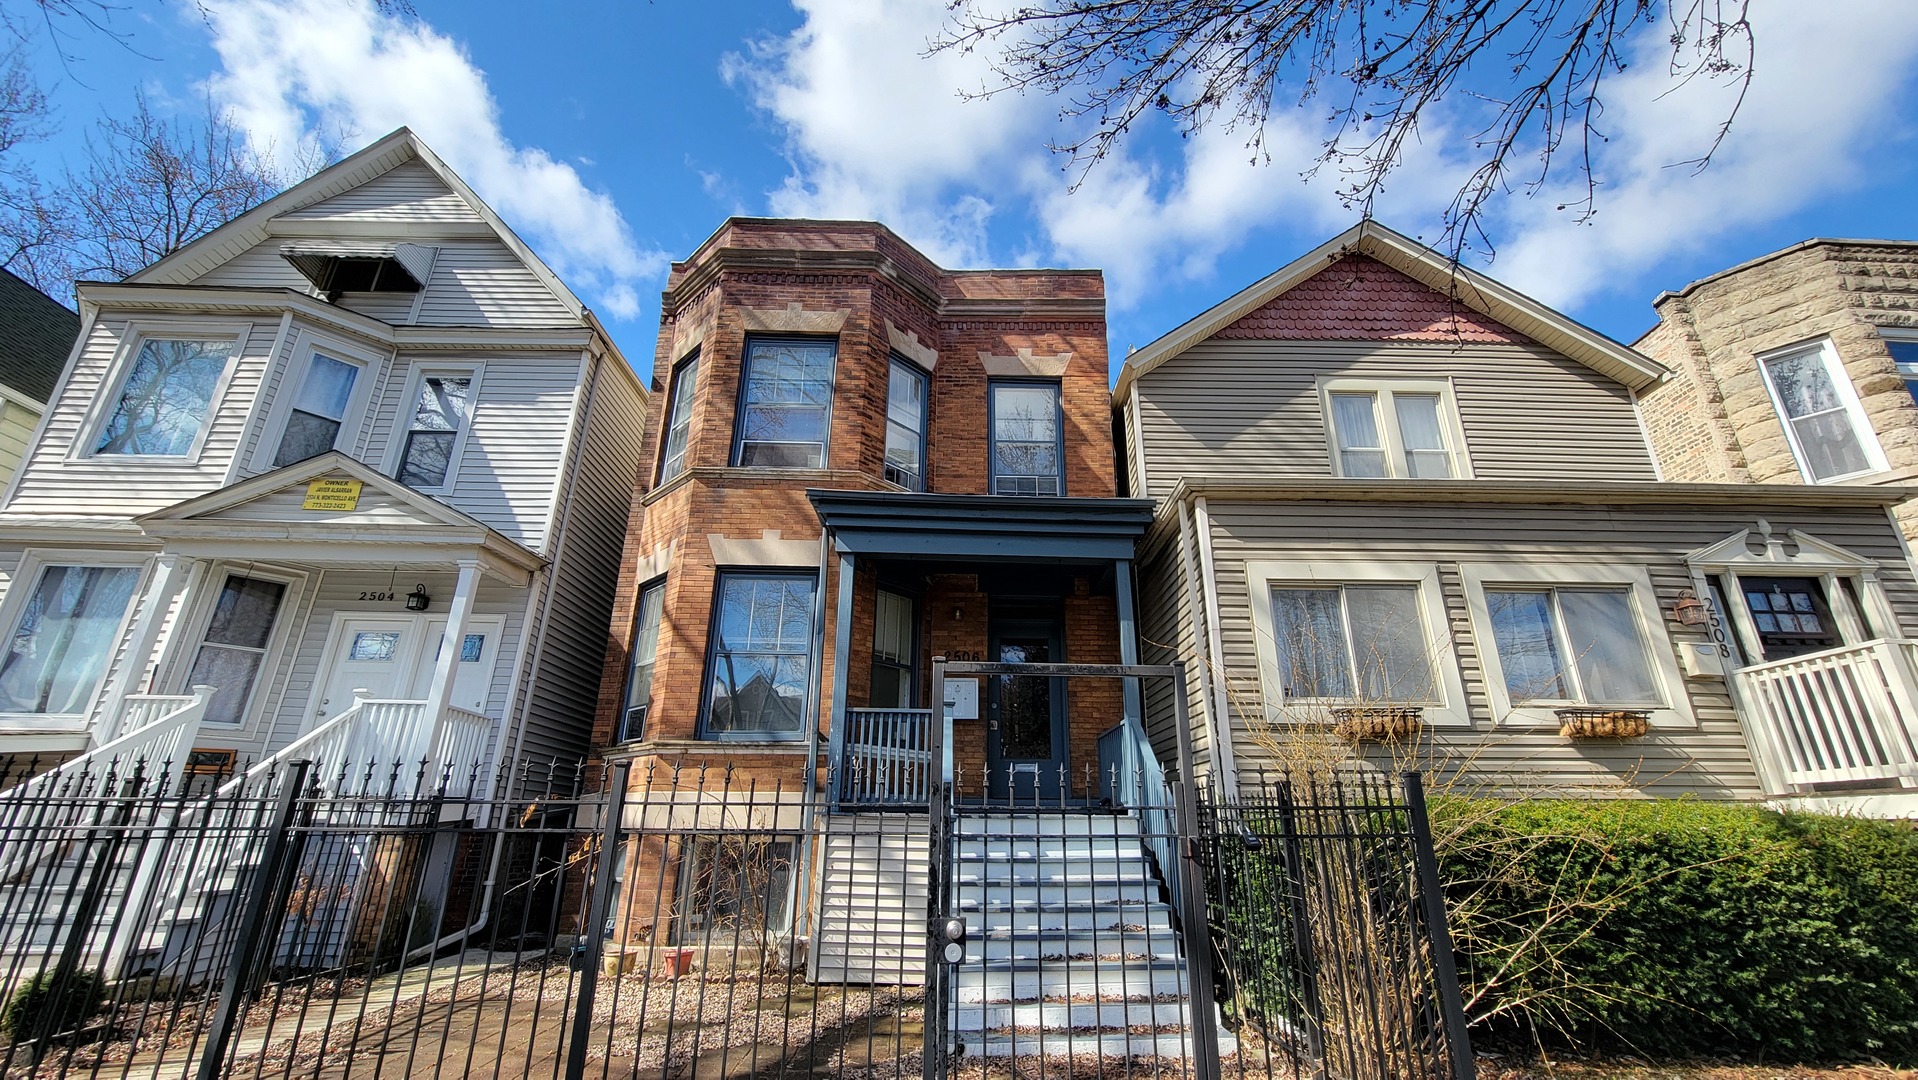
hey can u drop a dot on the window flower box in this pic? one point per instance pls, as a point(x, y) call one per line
point(1603, 723)
point(1377, 723)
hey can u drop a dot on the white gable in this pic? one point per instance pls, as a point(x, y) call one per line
point(374, 507)
point(409, 192)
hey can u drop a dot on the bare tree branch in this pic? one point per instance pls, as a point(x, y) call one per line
point(1532, 71)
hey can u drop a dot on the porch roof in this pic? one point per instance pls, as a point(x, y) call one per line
point(981, 526)
point(382, 521)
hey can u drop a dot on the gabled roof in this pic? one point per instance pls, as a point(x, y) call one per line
point(257, 225)
point(1468, 287)
point(387, 511)
point(36, 334)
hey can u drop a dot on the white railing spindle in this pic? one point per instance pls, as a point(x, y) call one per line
point(1840, 715)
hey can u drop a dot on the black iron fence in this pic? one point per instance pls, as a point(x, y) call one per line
point(677, 922)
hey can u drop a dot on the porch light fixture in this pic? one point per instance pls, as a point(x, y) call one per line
point(1690, 610)
point(417, 599)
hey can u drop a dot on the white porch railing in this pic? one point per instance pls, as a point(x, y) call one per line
point(382, 745)
point(156, 731)
point(1841, 715)
point(885, 757)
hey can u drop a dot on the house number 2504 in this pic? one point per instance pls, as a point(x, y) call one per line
point(379, 596)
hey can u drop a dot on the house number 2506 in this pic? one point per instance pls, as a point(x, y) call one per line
point(379, 596)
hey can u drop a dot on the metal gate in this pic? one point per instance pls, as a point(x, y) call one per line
point(675, 922)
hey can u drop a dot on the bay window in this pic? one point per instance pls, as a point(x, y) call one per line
point(760, 660)
point(234, 647)
point(165, 399)
point(906, 426)
point(679, 418)
point(319, 409)
point(639, 674)
point(1027, 454)
point(441, 413)
point(785, 403)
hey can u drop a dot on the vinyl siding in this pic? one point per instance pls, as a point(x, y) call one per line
point(1166, 633)
point(1252, 407)
point(511, 457)
point(474, 283)
point(123, 488)
point(408, 192)
point(16, 431)
point(585, 575)
point(291, 698)
point(1709, 761)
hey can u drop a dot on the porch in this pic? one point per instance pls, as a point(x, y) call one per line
point(1839, 720)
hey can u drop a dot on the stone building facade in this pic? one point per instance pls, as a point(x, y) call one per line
point(1787, 369)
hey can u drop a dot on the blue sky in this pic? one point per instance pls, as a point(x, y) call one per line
point(616, 136)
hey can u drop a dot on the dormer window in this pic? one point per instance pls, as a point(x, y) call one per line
point(1402, 429)
point(389, 268)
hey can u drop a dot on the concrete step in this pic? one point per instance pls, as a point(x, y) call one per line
point(1058, 945)
point(1051, 871)
point(1178, 1045)
point(1063, 1016)
point(1017, 981)
point(1096, 846)
point(1056, 894)
point(996, 914)
point(1002, 825)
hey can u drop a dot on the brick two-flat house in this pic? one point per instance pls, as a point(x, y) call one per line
point(1382, 482)
point(859, 460)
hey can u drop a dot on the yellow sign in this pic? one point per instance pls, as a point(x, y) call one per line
point(332, 494)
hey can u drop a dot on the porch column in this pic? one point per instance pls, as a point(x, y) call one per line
point(447, 666)
point(1128, 641)
point(170, 573)
point(841, 664)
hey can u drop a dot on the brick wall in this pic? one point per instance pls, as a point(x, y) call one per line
point(866, 289)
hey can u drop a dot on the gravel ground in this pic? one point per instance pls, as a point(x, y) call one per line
point(1574, 1069)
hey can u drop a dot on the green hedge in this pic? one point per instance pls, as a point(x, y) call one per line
point(1681, 928)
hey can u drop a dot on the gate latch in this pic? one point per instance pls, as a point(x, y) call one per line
point(950, 932)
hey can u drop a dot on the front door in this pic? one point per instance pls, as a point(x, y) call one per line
point(1026, 732)
point(1791, 615)
point(386, 655)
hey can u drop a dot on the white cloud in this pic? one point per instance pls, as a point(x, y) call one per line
point(874, 129)
point(1827, 90)
point(294, 71)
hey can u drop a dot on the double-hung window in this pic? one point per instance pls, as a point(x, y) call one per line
point(761, 656)
point(639, 675)
point(1353, 633)
point(906, 426)
point(165, 399)
point(320, 408)
point(893, 651)
point(235, 645)
point(1555, 635)
point(63, 635)
point(785, 403)
point(1405, 429)
point(1824, 422)
point(679, 418)
point(1028, 457)
point(442, 410)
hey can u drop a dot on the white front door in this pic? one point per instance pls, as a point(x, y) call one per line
point(388, 656)
point(477, 654)
point(376, 653)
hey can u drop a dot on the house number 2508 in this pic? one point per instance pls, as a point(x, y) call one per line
point(379, 596)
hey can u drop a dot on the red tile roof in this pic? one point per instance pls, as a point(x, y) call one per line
point(1356, 298)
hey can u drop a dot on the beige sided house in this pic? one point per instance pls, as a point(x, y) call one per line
point(36, 333)
point(1390, 487)
point(288, 462)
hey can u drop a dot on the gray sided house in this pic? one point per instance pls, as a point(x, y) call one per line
point(36, 333)
point(1407, 514)
point(285, 464)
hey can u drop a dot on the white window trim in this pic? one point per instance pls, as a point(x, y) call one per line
point(403, 419)
point(1453, 708)
point(1861, 427)
point(293, 377)
point(1674, 709)
point(1396, 466)
point(114, 383)
point(25, 577)
point(1813, 558)
point(211, 583)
